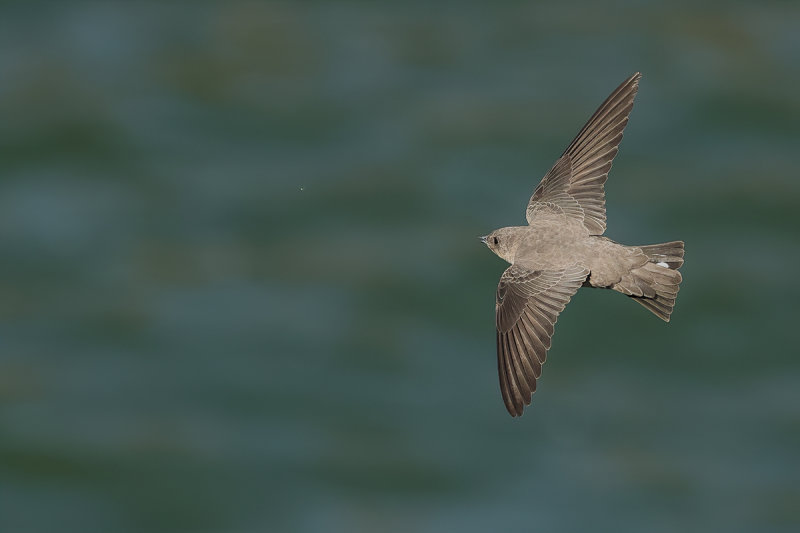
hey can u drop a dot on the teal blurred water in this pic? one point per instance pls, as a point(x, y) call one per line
point(240, 288)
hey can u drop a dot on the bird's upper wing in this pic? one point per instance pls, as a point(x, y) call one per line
point(527, 307)
point(574, 186)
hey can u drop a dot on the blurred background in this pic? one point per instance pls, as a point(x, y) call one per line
point(241, 290)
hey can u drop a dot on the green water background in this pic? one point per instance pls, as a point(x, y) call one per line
point(240, 286)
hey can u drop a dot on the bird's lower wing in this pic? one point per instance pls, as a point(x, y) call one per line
point(527, 306)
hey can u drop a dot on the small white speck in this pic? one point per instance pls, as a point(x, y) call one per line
point(302, 188)
point(662, 264)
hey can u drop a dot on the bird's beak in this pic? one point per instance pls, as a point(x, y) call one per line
point(484, 238)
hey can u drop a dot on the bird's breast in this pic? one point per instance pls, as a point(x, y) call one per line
point(552, 244)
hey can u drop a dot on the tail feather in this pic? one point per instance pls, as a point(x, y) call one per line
point(660, 307)
point(670, 253)
point(655, 284)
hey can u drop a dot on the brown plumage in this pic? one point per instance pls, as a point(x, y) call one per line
point(562, 249)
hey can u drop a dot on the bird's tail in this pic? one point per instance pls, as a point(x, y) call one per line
point(655, 284)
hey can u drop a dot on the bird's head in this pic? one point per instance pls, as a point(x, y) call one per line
point(503, 242)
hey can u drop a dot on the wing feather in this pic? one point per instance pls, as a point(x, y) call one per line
point(575, 184)
point(528, 305)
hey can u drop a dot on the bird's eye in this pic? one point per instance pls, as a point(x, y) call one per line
point(495, 240)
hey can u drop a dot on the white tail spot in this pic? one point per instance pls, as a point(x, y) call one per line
point(662, 264)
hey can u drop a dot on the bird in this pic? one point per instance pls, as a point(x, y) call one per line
point(562, 248)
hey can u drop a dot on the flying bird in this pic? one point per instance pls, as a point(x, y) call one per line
point(562, 249)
